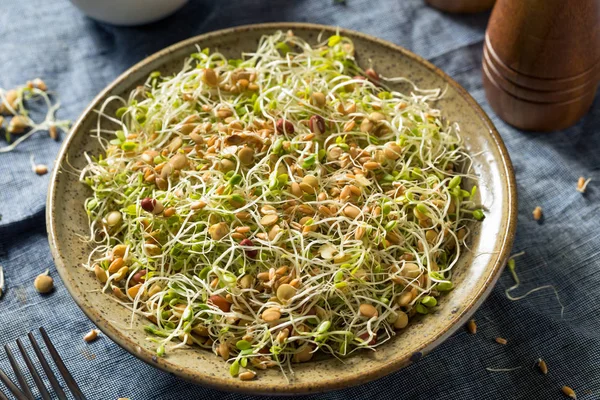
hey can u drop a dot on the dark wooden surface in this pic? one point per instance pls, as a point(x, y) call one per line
point(541, 61)
point(461, 6)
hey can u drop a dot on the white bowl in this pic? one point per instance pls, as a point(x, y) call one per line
point(128, 12)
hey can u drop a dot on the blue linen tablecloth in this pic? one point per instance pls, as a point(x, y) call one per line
point(77, 57)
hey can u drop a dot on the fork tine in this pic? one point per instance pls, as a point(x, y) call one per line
point(20, 377)
point(12, 387)
point(51, 377)
point(62, 367)
point(36, 377)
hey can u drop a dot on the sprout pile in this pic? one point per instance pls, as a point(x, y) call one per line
point(275, 206)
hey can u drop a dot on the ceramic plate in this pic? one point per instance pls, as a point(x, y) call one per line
point(474, 276)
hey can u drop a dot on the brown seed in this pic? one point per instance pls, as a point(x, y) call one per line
point(198, 205)
point(246, 281)
point(53, 132)
point(243, 215)
point(366, 125)
point(262, 236)
point(367, 310)
point(120, 274)
point(175, 144)
point(284, 126)
point(40, 169)
point(537, 213)
point(501, 340)
point(359, 233)
point(334, 153)
point(38, 84)
point(243, 84)
point(247, 375)
point(312, 181)
point(269, 219)
point(430, 236)
point(263, 276)
point(372, 75)
point(139, 276)
point(17, 124)
point(273, 232)
point(582, 184)
point(186, 129)
point(223, 350)
point(295, 189)
point(325, 211)
point(567, 391)
point(420, 216)
point(246, 155)
point(116, 265)
point(91, 336)
point(376, 116)
point(345, 193)
point(151, 205)
point(242, 229)
point(303, 355)
point(220, 302)
point(392, 151)
point(9, 100)
point(119, 293)
point(271, 314)
point(307, 188)
point(316, 124)
point(542, 366)
point(348, 126)
point(405, 299)
point(178, 161)
point(218, 231)
point(472, 327)
point(169, 212)
point(282, 335)
point(285, 292)
point(281, 270)
point(350, 109)
point(224, 113)
point(227, 165)
point(306, 209)
point(351, 211)
point(371, 165)
point(401, 320)
point(318, 99)
point(119, 251)
point(238, 236)
point(100, 273)
point(410, 270)
point(134, 290)
point(210, 77)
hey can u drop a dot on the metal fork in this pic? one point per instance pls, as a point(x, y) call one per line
point(25, 392)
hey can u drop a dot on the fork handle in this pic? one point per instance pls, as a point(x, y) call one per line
point(12, 387)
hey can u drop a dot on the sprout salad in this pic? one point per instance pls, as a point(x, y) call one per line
point(275, 206)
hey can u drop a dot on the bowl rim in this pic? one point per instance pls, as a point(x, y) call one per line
point(264, 387)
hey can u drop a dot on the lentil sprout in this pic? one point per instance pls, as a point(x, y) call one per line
point(273, 206)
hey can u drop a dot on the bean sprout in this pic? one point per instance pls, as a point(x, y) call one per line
point(277, 205)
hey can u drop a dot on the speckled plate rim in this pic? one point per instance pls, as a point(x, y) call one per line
point(382, 369)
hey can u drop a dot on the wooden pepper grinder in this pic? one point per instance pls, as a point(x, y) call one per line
point(461, 6)
point(541, 61)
